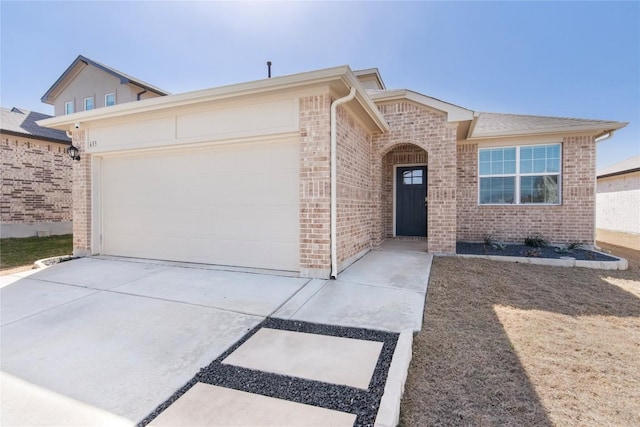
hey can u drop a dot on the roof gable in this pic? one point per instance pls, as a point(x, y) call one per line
point(81, 62)
point(454, 112)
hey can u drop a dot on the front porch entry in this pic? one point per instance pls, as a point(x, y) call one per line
point(411, 201)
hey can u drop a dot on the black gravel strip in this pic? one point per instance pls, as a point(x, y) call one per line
point(515, 250)
point(363, 403)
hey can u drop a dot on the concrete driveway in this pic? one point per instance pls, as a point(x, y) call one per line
point(104, 341)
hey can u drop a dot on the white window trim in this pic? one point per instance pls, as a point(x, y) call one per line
point(84, 103)
point(518, 175)
point(73, 107)
point(105, 99)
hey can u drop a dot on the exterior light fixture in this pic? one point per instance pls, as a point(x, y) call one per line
point(73, 153)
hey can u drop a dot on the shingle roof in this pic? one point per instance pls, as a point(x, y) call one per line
point(18, 121)
point(497, 124)
point(124, 78)
point(631, 164)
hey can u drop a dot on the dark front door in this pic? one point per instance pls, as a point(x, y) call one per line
point(411, 205)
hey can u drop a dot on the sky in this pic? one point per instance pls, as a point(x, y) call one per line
point(567, 59)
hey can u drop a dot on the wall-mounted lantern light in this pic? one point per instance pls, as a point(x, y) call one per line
point(73, 153)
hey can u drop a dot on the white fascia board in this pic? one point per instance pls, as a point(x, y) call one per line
point(454, 112)
point(367, 103)
point(595, 128)
point(219, 93)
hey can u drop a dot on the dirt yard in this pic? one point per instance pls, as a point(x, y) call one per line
point(514, 344)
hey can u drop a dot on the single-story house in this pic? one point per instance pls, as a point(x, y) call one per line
point(618, 203)
point(36, 180)
point(308, 172)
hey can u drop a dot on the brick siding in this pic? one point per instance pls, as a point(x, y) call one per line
point(36, 181)
point(315, 186)
point(429, 131)
point(354, 196)
point(81, 198)
point(571, 221)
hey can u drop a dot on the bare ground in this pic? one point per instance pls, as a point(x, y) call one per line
point(514, 344)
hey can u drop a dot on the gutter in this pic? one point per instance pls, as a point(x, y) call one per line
point(604, 136)
point(334, 201)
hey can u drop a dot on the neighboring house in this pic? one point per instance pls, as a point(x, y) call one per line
point(310, 171)
point(87, 85)
point(36, 176)
point(618, 203)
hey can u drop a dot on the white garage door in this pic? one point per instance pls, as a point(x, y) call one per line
point(224, 204)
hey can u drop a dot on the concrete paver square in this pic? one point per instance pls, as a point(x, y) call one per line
point(402, 270)
point(96, 273)
point(336, 360)
point(26, 297)
point(209, 405)
point(117, 353)
point(258, 294)
point(361, 306)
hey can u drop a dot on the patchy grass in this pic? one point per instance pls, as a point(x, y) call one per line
point(24, 252)
point(515, 344)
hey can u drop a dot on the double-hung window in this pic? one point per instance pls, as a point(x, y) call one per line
point(88, 103)
point(520, 175)
point(109, 99)
point(68, 107)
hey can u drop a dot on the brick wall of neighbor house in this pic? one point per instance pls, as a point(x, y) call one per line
point(81, 198)
point(315, 186)
point(428, 130)
point(571, 221)
point(354, 203)
point(618, 203)
point(36, 181)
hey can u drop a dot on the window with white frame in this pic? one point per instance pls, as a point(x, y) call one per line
point(88, 103)
point(520, 175)
point(109, 99)
point(69, 107)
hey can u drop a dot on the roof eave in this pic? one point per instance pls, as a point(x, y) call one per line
point(597, 130)
point(328, 75)
point(38, 137)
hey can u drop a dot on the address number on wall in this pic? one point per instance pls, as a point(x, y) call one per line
point(93, 144)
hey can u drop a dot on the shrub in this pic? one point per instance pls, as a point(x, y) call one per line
point(536, 241)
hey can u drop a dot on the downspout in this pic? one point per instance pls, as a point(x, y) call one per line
point(334, 198)
point(140, 94)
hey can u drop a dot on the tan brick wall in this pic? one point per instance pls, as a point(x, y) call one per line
point(81, 198)
point(428, 130)
point(354, 201)
point(571, 221)
point(36, 181)
point(315, 186)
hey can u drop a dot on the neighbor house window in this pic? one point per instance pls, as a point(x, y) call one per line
point(68, 107)
point(520, 175)
point(88, 103)
point(109, 99)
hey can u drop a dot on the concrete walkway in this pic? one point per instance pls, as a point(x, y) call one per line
point(105, 341)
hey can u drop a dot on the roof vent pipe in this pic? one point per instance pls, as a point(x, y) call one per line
point(269, 69)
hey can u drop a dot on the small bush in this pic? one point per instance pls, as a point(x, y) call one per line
point(536, 241)
point(488, 241)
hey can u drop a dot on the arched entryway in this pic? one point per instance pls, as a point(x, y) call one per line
point(404, 195)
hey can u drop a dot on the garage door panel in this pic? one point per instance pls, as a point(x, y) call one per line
point(233, 205)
